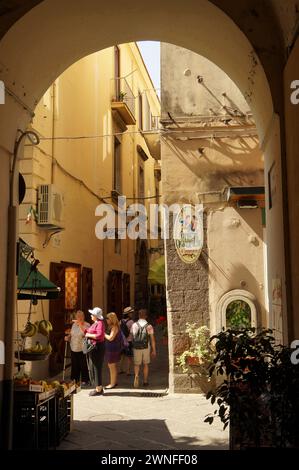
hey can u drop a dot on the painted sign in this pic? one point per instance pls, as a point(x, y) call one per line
point(188, 233)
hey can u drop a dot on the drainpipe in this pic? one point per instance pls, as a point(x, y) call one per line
point(104, 277)
point(11, 289)
point(53, 129)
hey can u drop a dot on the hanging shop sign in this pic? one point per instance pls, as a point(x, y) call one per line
point(188, 233)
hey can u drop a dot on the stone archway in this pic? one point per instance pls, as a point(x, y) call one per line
point(227, 298)
point(57, 33)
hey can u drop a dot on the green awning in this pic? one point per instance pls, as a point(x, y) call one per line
point(34, 285)
point(156, 273)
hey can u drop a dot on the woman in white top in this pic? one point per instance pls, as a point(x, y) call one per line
point(79, 370)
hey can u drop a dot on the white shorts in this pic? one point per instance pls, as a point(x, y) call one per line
point(142, 356)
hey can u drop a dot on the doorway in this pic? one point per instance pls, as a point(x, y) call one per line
point(76, 290)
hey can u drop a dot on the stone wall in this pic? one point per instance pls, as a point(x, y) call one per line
point(187, 301)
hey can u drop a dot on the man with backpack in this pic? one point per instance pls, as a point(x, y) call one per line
point(126, 324)
point(144, 346)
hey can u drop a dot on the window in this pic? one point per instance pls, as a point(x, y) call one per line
point(117, 71)
point(147, 124)
point(157, 193)
point(71, 288)
point(238, 315)
point(140, 111)
point(157, 199)
point(237, 308)
point(117, 183)
point(117, 244)
point(141, 181)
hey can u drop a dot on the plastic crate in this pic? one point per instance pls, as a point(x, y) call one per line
point(34, 421)
point(64, 417)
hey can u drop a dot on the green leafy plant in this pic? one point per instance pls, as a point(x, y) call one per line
point(259, 394)
point(200, 351)
point(238, 315)
point(121, 96)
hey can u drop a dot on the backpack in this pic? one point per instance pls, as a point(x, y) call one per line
point(124, 328)
point(124, 343)
point(141, 337)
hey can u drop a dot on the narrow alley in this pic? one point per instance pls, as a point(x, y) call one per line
point(146, 419)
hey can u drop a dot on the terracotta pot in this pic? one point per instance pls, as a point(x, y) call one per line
point(193, 361)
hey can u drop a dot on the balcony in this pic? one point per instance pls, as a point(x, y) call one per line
point(151, 135)
point(123, 102)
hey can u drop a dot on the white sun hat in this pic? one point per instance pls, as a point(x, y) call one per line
point(97, 312)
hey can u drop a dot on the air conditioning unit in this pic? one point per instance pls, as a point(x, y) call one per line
point(50, 207)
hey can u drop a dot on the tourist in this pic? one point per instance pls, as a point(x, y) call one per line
point(113, 347)
point(126, 324)
point(79, 370)
point(96, 332)
point(144, 346)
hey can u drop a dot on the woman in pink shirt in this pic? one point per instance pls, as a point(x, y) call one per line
point(96, 332)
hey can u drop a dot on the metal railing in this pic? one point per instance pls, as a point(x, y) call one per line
point(155, 123)
point(122, 92)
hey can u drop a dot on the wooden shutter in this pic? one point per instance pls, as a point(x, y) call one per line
point(87, 292)
point(57, 318)
point(126, 290)
point(114, 290)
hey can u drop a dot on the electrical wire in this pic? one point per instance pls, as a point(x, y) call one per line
point(82, 183)
point(229, 131)
point(99, 136)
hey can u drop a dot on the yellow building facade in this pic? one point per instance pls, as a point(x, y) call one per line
point(91, 123)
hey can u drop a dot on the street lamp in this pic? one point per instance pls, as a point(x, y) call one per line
point(7, 393)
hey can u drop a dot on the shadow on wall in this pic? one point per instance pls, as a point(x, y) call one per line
point(251, 225)
point(221, 157)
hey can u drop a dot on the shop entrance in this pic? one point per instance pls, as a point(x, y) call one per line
point(76, 293)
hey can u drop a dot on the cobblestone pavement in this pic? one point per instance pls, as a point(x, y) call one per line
point(122, 420)
point(149, 419)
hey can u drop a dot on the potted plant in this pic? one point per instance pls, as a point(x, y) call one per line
point(121, 96)
point(258, 397)
point(197, 359)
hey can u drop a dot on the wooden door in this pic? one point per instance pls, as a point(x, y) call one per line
point(57, 318)
point(87, 292)
point(126, 291)
point(114, 290)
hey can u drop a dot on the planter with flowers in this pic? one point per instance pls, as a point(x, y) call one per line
point(198, 358)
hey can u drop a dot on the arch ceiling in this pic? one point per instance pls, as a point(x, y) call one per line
point(56, 33)
point(268, 25)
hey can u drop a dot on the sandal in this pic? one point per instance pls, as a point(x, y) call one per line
point(109, 387)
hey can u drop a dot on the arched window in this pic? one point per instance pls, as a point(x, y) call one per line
point(236, 309)
point(238, 315)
